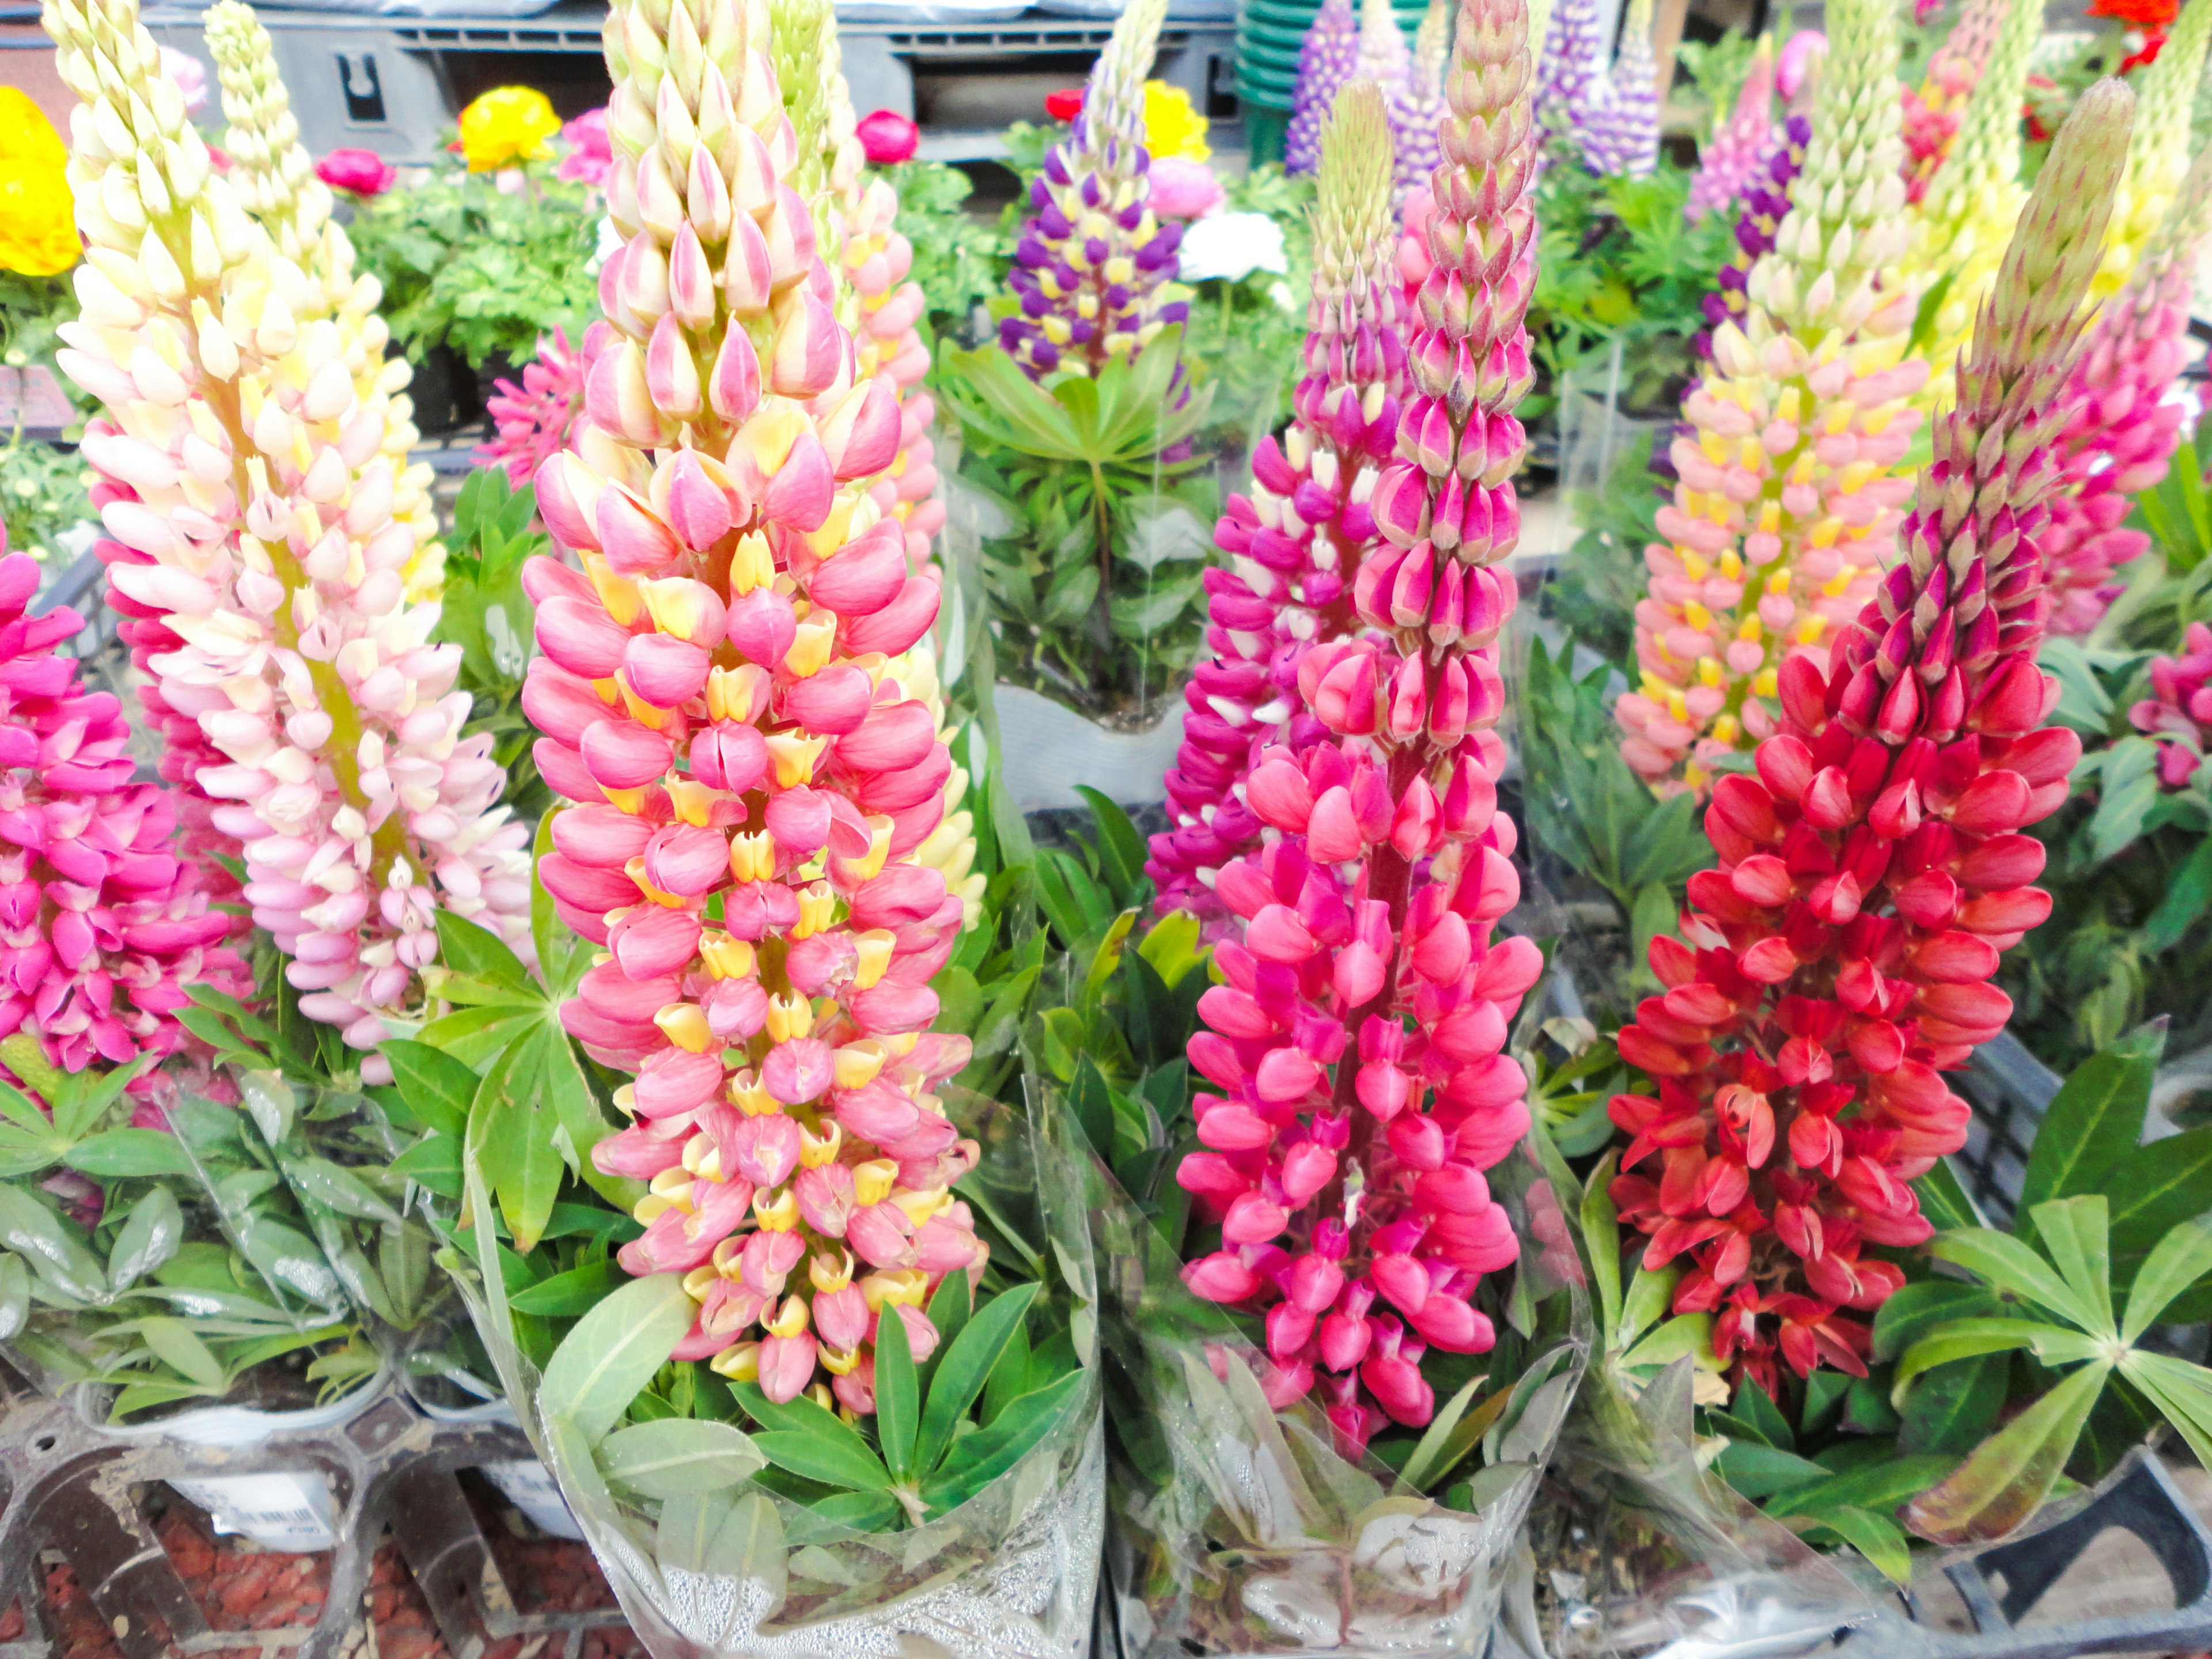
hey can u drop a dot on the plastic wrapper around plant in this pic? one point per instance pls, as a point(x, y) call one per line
point(733, 1568)
point(1239, 1528)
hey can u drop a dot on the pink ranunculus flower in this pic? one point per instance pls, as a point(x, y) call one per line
point(362, 171)
point(888, 137)
point(1184, 189)
point(589, 156)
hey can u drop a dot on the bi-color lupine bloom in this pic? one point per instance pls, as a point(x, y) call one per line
point(2125, 425)
point(1382, 55)
point(1838, 962)
point(1932, 110)
point(1296, 543)
point(535, 416)
point(1570, 69)
point(1093, 270)
point(1417, 108)
point(753, 780)
point(1960, 229)
point(1326, 60)
point(1357, 1037)
point(2158, 158)
point(102, 923)
point(253, 543)
point(2179, 711)
point(1622, 135)
point(1789, 491)
point(1765, 203)
point(1738, 150)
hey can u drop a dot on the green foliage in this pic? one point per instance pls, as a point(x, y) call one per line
point(45, 491)
point(484, 611)
point(1717, 68)
point(959, 257)
point(1244, 345)
point(1602, 579)
point(485, 271)
point(32, 311)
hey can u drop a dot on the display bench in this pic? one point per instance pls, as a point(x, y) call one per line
point(393, 83)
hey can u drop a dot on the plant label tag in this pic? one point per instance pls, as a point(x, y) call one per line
point(286, 1511)
point(529, 1486)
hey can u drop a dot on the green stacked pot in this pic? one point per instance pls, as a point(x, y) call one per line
point(1268, 35)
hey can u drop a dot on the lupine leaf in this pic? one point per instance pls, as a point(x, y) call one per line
point(2177, 1261)
point(1964, 1338)
point(614, 1352)
point(2009, 1474)
point(2006, 1263)
point(967, 1362)
point(2077, 1235)
point(2092, 1121)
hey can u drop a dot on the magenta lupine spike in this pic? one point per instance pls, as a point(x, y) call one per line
point(2177, 713)
point(2123, 431)
point(1326, 60)
point(1738, 150)
point(102, 924)
point(1358, 1038)
point(1621, 136)
point(534, 419)
point(1093, 270)
point(1296, 542)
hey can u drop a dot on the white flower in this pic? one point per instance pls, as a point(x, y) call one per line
point(1231, 245)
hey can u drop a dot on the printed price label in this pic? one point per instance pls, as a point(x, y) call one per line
point(529, 1486)
point(288, 1512)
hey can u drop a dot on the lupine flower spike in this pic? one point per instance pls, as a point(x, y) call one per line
point(1765, 203)
point(1737, 151)
point(534, 418)
point(1357, 1038)
point(102, 925)
point(1094, 266)
point(1959, 232)
point(2124, 428)
point(1417, 109)
point(250, 504)
point(1932, 111)
point(1789, 492)
point(1838, 962)
point(753, 779)
point(1570, 69)
point(1326, 58)
point(1297, 543)
point(2178, 712)
point(2159, 155)
point(1622, 138)
point(1384, 57)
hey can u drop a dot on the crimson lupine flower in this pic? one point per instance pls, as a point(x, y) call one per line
point(2179, 712)
point(2125, 429)
point(1359, 1038)
point(534, 419)
point(1839, 961)
point(101, 924)
point(1296, 543)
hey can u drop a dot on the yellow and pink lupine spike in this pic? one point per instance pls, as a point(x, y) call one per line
point(753, 771)
point(252, 544)
point(1932, 112)
point(1790, 490)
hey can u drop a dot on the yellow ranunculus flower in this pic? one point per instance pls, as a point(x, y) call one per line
point(508, 124)
point(1172, 127)
point(37, 229)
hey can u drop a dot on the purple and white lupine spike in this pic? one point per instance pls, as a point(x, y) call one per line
point(1383, 57)
point(1732, 157)
point(1094, 267)
point(1326, 60)
point(1295, 543)
point(1765, 201)
point(1620, 139)
point(1570, 73)
point(1417, 109)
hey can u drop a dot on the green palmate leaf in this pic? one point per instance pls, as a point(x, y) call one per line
point(833, 1462)
point(434, 1162)
point(1757, 1407)
point(614, 1352)
point(319, 1180)
point(1944, 1200)
point(2002, 1260)
point(1600, 1225)
point(2094, 1121)
point(2156, 1188)
point(2182, 1392)
point(15, 1295)
point(968, 1361)
point(897, 1389)
point(679, 1457)
point(2128, 790)
point(1955, 1405)
point(27, 1227)
point(1964, 1338)
point(1689, 1335)
point(2012, 1472)
point(2187, 894)
point(1757, 1471)
point(1436, 1454)
point(980, 1458)
point(2177, 1261)
point(465, 948)
point(437, 1088)
point(1914, 1310)
point(577, 1109)
point(511, 1131)
point(1121, 850)
point(2077, 1234)
point(949, 1308)
point(1880, 1541)
point(571, 1294)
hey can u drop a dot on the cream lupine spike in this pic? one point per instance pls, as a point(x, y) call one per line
point(1789, 493)
point(2158, 153)
point(1966, 218)
point(250, 517)
point(275, 178)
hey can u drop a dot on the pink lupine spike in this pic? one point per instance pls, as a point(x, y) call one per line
point(1871, 871)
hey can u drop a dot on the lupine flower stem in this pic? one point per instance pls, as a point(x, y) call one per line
point(1839, 961)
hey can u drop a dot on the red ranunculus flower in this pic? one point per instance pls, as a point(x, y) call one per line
point(889, 138)
point(1065, 105)
point(364, 171)
point(2152, 16)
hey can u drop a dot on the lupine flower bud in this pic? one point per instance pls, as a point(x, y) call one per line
point(1326, 60)
point(1737, 152)
point(755, 804)
point(1298, 541)
point(1837, 961)
point(1788, 493)
point(1357, 1039)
